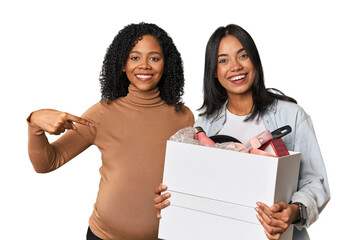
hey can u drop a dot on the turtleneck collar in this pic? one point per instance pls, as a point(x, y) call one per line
point(145, 99)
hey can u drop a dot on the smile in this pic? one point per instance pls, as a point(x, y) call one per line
point(144, 77)
point(236, 78)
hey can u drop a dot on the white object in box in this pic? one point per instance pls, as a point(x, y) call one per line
point(214, 192)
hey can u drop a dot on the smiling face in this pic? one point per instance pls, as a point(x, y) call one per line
point(235, 70)
point(145, 64)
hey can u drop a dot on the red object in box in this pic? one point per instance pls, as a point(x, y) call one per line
point(276, 147)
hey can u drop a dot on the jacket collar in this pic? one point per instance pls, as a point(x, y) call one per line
point(222, 113)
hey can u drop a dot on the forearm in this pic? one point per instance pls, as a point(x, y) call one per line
point(41, 153)
point(46, 156)
point(80, 133)
point(313, 207)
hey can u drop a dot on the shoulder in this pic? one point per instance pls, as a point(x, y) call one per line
point(283, 113)
point(201, 120)
point(186, 110)
point(187, 114)
point(206, 121)
point(292, 110)
point(95, 111)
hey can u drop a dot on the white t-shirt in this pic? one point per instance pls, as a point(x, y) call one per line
point(243, 131)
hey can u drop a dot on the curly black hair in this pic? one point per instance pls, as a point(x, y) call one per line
point(113, 80)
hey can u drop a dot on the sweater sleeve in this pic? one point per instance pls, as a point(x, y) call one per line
point(47, 157)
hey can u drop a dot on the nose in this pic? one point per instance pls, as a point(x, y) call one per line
point(235, 65)
point(144, 64)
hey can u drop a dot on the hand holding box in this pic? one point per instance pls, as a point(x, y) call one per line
point(214, 191)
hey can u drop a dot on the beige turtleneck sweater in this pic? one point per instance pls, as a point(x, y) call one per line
point(131, 133)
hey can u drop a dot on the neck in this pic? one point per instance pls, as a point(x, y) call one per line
point(240, 105)
point(146, 99)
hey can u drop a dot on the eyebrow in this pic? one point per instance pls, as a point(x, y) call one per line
point(224, 54)
point(138, 52)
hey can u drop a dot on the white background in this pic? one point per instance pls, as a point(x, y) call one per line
point(51, 54)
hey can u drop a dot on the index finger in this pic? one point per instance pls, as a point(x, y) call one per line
point(160, 188)
point(265, 208)
point(79, 120)
point(274, 214)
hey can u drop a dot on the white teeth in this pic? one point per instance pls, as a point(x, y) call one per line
point(143, 76)
point(237, 77)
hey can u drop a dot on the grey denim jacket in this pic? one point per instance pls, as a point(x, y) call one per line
point(313, 189)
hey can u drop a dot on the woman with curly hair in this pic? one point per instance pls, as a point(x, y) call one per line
point(142, 84)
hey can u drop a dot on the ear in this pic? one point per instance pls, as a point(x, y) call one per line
point(124, 68)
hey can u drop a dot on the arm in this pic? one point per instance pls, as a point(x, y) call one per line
point(47, 157)
point(313, 190)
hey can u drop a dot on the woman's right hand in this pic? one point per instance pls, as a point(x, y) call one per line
point(161, 199)
point(55, 122)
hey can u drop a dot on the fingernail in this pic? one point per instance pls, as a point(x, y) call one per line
point(258, 203)
point(257, 209)
point(273, 208)
point(167, 195)
point(166, 202)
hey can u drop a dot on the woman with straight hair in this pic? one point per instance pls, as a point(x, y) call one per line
point(237, 103)
point(142, 84)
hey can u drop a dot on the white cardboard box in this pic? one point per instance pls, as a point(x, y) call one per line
point(214, 192)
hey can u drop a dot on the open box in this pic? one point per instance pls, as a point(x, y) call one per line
point(214, 191)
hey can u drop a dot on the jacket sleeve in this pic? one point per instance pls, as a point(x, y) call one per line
point(47, 157)
point(313, 188)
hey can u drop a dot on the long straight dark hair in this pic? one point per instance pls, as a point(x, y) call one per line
point(215, 95)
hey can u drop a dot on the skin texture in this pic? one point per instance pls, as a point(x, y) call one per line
point(161, 200)
point(145, 64)
point(56, 122)
point(233, 61)
point(276, 218)
point(113, 78)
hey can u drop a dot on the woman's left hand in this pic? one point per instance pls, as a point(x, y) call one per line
point(277, 218)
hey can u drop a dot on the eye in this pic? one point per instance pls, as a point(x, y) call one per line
point(154, 59)
point(243, 56)
point(223, 60)
point(134, 58)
